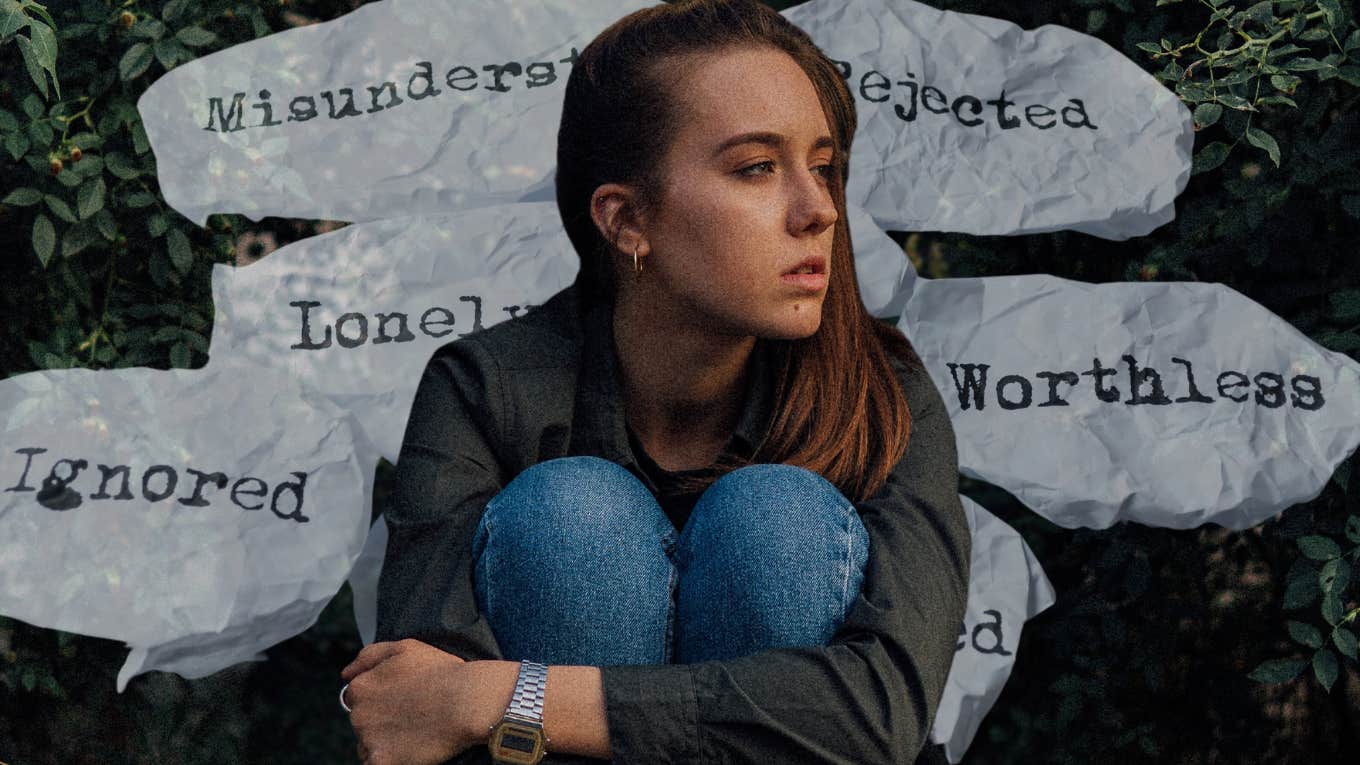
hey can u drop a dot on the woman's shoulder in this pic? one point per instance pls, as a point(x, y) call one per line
point(543, 336)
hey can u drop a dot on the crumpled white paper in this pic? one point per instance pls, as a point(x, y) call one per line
point(1091, 141)
point(480, 87)
point(914, 168)
point(1171, 404)
point(200, 516)
point(1006, 588)
point(378, 298)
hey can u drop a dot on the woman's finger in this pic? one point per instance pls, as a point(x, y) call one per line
point(370, 657)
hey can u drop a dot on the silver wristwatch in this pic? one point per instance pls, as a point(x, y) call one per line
point(518, 737)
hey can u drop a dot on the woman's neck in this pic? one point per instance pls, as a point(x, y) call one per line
point(683, 385)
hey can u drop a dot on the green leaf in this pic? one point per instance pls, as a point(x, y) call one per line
point(1324, 666)
point(32, 64)
point(103, 220)
point(76, 239)
point(167, 52)
point(1335, 575)
point(195, 37)
point(1235, 102)
point(12, 18)
point(1263, 140)
point(1303, 64)
point(1286, 83)
point(148, 27)
point(44, 239)
point(44, 46)
point(157, 224)
point(139, 142)
point(1149, 47)
point(1344, 640)
point(86, 140)
point(1304, 633)
point(120, 166)
point(1353, 528)
point(1207, 114)
point(140, 199)
point(23, 197)
point(1260, 12)
point(40, 133)
point(1278, 100)
point(1319, 547)
point(1332, 608)
point(1352, 41)
point(1332, 12)
point(1210, 157)
point(135, 61)
point(1350, 74)
point(59, 208)
point(1297, 24)
point(90, 198)
point(8, 124)
point(16, 144)
point(180, 254)
point(1277, 670)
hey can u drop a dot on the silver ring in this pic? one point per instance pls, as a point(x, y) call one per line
point(343, 705)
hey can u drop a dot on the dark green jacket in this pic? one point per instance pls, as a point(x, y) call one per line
point(543, 385)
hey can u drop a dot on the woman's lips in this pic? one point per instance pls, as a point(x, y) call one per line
point(808, 282)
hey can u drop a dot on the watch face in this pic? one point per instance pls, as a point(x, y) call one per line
point(515, 743)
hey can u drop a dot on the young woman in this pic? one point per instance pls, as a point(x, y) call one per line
point(700, 506)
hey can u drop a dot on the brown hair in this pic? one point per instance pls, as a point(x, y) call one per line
point(840, 410)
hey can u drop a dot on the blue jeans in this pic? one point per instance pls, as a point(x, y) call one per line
point(576, 563)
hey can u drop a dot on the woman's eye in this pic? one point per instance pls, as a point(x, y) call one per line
point(746, 171)
point(826, 171)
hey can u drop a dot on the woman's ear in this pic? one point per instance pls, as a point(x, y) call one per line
point(613, 208)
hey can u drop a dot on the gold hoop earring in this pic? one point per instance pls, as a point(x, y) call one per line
point(637, 268)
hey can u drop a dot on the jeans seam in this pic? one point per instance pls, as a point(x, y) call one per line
point(849, 561)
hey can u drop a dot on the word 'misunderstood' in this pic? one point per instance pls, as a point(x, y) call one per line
point(353, 329)
point(1145, 387)
point(908, 97)
point(496, 78)
point(157, 484)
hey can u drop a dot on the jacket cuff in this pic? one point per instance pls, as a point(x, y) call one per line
point(653, 713)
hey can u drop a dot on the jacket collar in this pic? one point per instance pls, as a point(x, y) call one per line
point(599, 420)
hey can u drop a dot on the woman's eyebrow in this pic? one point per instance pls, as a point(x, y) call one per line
point(768, 138)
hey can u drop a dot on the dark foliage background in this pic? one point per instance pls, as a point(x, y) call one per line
point(1164, 646)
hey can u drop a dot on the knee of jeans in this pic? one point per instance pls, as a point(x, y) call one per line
point(554, 493)
point(775, 492)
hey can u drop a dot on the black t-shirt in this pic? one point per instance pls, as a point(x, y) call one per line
point(676, 503)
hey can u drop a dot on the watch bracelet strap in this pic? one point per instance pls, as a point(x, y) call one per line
point(527, 700)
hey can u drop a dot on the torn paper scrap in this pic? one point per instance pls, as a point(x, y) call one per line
point(1006, 588)
point(1170, 404)
point(882, 269)
point(969, 123)
point(355, 314)
point(400, 107)
point(200, 516)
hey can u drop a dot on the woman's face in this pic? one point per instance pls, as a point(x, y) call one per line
point(746, 198)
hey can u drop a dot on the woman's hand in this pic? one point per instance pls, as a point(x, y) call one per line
point(412, 703)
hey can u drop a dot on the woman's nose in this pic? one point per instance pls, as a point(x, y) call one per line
point(813, 210)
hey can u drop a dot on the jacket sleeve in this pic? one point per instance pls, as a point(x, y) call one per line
point(446, 473)
point(871, 694)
